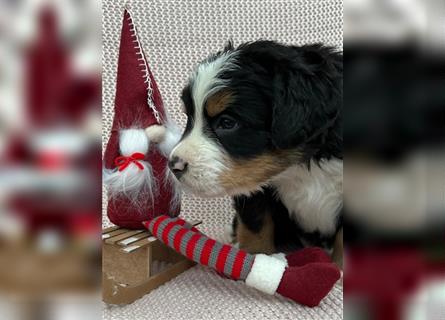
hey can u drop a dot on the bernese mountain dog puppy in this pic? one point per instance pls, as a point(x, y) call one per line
point(264, 126)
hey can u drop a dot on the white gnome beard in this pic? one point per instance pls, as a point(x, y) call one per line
point(172, 137)
point(132, 181)
point(171, 134)
point(170, 181)
point(167, 136)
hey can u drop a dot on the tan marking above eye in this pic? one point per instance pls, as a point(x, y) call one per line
point(218, 102)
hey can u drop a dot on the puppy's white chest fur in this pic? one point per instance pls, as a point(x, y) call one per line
point(313, 197)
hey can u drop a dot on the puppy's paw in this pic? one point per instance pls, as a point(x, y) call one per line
point(156, 133)
point(229, 234)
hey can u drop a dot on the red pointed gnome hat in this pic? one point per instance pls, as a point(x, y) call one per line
point(55, 92)
point(135, 171)
point(138, 102)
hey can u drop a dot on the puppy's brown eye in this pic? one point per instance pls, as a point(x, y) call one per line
point(226, 123)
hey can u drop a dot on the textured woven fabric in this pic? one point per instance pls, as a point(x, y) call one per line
point(175, 36)
point(202, 294)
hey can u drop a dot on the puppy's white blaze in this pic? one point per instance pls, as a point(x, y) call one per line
point(205, 80)
point(205, 157)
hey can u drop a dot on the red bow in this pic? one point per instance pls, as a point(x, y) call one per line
point(123, 162)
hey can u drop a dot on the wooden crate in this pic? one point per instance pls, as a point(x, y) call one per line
point(134, 263)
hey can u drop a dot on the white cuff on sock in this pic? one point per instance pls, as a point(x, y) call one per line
point(266, 273)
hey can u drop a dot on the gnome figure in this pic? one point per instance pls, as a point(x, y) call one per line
point(57, 151)
point(139, 184)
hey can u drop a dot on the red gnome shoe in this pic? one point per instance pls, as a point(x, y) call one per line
point(139, 184)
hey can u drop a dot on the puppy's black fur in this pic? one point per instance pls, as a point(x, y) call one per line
point(252, 212)
point(286, 97)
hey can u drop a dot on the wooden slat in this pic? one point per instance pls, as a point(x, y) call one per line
point(123, 236)
point(114, 233)
point(130, 240)
point(139, 244)
point(109, 229)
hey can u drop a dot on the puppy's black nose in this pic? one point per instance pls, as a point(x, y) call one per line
point(177, 166)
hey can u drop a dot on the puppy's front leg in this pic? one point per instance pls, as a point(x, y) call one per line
point(255, 239)
point(337, 254)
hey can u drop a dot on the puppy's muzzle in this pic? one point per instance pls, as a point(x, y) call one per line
point(177, 166)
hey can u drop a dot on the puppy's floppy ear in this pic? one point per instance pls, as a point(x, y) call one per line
point(307, 97)
point(290, 111)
